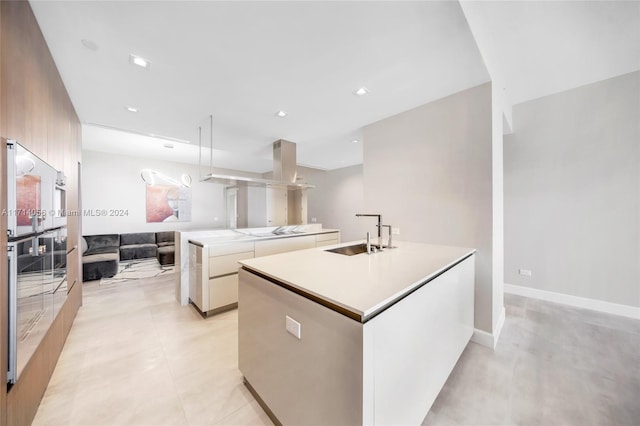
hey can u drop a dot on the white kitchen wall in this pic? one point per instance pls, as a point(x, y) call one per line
point(429, 172)
point(113, 182)
point(336, 199)
point(572, 192)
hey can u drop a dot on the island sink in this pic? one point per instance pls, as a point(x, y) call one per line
point(352, 250)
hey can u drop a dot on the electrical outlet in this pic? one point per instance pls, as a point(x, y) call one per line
point(293, 327)
point(525, 272)
point(395, 231)
point(314, 220)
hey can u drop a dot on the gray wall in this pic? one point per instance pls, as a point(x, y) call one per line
point(336, 199)
point(429, 172)
point(572, 189)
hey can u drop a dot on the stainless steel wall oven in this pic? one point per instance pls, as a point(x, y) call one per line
point(37, 251)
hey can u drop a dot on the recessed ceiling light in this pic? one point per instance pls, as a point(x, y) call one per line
point(90, 44)
point(281, 114)
point(355, 141)
point(141, 62)
point(131, 109)
point(362, 91)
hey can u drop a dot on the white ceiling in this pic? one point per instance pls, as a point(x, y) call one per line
point(96, 138)
point(243, 61)
point(543, 47)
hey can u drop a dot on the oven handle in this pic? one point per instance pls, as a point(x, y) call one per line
point(12, 371)
point(10, 170)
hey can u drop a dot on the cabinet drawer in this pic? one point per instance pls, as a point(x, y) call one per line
point(327, 236)
point(231, 248)
point(223, 291)
point(326, 243)
point(283, 245)
point(221, 265)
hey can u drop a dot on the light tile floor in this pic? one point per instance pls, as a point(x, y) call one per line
point(136, 357)
point(553, 365)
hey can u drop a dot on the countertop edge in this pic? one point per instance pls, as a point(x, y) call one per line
point(349, 311)
point(392, 300)
point(250, 238)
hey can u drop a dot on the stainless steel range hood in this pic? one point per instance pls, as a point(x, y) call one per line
point(285, 173)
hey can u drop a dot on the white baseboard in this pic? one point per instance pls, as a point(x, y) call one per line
point(578, 302)
point(483, 338)
point(489, 340)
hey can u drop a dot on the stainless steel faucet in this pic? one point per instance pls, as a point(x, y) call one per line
point(371, 248)
point(379, 225)
point(390, 242)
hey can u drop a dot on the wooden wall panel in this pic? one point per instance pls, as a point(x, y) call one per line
point(24, 397)
point(4, 327)
point(14, 41)
point(35, 110)
point(71, 306)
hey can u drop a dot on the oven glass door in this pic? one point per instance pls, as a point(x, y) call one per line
point(31, 187)
point(35, 274)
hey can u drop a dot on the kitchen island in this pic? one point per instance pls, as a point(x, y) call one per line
point(209, 259)
point(326, 338)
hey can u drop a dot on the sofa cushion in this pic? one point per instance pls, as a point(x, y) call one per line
point(98, 266)
point(106, 240)
point(92, 258)
point(138, 251)
point(165, 238)
point(166, 255)
point(137, 238)
point(100, 250)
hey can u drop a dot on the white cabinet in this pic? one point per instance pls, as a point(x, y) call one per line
point(283, 245)
point(327, 239)
point(226, 264)
point(213, 281)
point(223, 293)
point(213, 269)
point(385, 371)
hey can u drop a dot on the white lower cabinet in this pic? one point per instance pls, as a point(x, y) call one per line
point(283, 245)
point(213, 286)
point(328, 239)
point(223, 292)
point(227, 264)
point(213, 270)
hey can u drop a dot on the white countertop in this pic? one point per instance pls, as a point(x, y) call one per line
point(362, 284)
point(232, 236)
